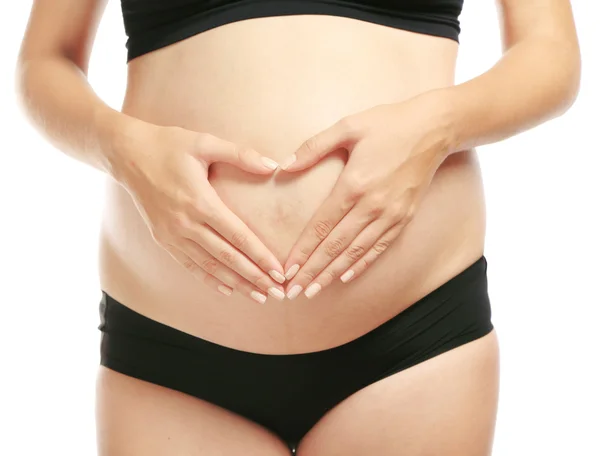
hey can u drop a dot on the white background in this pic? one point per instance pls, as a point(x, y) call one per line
point(543, 198)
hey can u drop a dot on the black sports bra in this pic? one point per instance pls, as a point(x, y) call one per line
point(152, 24)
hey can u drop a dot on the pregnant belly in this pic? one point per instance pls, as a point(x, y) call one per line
point(277, 207)
point(251, 91)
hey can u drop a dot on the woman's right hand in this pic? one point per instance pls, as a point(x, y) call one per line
point(165, 170)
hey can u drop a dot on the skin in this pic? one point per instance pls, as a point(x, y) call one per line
point(179, 171)
point(356, 223)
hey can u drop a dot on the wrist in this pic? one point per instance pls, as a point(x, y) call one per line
point(119, 140)
point(440, 113)
point(435, 117)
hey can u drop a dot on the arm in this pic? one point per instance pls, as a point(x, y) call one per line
point(536, 79)
point(53, 88)
point(164, 169)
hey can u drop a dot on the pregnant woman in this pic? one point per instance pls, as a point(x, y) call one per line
point(292, 243)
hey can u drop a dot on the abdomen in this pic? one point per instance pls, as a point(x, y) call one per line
point(270, 83)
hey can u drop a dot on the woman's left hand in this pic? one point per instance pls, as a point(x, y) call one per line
point(393, 152)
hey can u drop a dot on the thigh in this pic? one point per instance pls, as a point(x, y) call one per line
point(443, 406)
point(135, 417)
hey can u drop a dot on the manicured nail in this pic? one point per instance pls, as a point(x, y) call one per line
point(258, 297)
point(269, 163)
point(291, 272)
point(288, 161)
point(347, 275)
point(295, 291)
point(277, 276)
point(312, 290)
point(276, 293)
point(225, 290)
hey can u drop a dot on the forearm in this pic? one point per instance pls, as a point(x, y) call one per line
point(534, 81)
point(59, 101)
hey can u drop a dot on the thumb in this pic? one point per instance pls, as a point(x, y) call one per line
point(318, 146)
point(213, 149)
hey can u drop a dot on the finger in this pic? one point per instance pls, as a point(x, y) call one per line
point(345, 232)
point(315, 148)
point(373, 253)
point(363, 243)
point(233, 259)
point(214, 149)
point(236, 232)
point(217, 269)
point(200, 274)
point(342, 199)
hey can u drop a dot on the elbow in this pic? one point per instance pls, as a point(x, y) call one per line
point(23, 73)
point(568, 73)
point(21, 82)
point(28, 78)
point(566, 98)
point(25, 87)
point(571, 88)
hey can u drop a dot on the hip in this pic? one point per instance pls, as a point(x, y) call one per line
point(264, 388)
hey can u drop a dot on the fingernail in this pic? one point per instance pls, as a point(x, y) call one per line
point(269, 163)
point(258, 297)
point(276, 293)
point(225, 290)
point(347, 275)
point(277, 276)
point(312, 290)
point(291, 272)
point(295, 291)
point(288, 161)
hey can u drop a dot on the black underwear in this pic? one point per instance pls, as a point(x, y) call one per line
point(289, 393)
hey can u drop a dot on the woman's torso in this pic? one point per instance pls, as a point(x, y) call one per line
point(270, 83)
